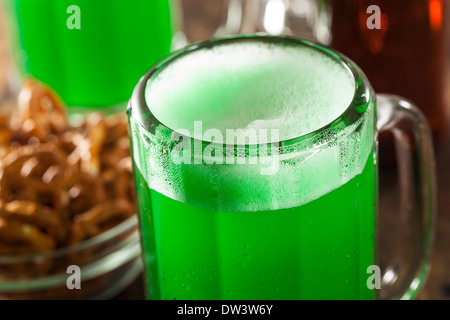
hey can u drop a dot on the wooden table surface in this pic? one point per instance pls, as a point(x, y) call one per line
point(203, 19)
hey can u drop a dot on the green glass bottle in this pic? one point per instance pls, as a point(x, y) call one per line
point(91, 52)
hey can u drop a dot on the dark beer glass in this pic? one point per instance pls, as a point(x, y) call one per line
point(406, 56)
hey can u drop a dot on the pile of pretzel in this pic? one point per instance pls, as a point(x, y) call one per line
point(60, 183)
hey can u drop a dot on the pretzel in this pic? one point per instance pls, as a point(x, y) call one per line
point(5, 132)
point(60, 183)
point(89, 145)
point(85, 192)
point(41, 110)
point(43, 218)
point(113, 154)
point(21, 238)
point(100, 219)
point(34, 173)
point(117, 128)
point(67, 142)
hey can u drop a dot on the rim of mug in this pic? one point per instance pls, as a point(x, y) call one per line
point(363, 92)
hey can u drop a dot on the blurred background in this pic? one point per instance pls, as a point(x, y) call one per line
point(406, 54)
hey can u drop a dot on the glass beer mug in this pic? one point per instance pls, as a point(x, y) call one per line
point(255, 163)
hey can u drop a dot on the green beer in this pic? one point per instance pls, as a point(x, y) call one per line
point(92, 52)
point(290, 215)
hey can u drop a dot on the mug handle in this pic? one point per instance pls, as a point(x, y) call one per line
point(415, 155)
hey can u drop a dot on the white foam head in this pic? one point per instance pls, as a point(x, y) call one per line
point(295, 89)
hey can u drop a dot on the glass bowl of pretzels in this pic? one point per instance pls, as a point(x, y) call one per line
point(68, 226)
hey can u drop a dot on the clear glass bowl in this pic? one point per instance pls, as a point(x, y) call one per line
point(108, 264)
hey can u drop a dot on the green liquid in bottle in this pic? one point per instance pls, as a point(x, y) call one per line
point(99, 64)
